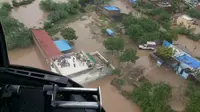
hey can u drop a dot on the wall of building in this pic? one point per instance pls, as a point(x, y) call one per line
point(42, 54)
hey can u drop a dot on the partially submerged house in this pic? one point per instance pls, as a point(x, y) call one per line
point(45, 46)
point(109, 10)
point(185, 64)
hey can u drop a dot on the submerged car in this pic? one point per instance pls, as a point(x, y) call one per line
point(27, 89)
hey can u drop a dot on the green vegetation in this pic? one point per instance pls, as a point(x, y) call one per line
point(116, 72)
point(193, 93)
point(142, 30)
point(114, 44)
point(161, 16)
point(69, 34)
point(152, 97)
point(193, 13)
point(117, 82)
point(17, 36)
point(128, 55)
point(59, 11)
point(23, 2)
point(187, 32)
point(164, 52)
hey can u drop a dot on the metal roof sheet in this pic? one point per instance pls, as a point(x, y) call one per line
point(46, 43)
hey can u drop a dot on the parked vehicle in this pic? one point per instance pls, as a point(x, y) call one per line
point(148, 46)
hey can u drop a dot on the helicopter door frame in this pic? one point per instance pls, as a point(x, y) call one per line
point(4, 61)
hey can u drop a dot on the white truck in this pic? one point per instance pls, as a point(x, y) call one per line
point(148, 46)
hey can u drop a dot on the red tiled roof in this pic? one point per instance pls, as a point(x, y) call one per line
point(46, 43)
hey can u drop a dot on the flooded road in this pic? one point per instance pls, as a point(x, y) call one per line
point(113, 101)
point(27, 57)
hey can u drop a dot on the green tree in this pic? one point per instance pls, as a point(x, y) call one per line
point(193, 93)
point(135, 31)
point(59, 11)
point(152, 97)
point(98, 3)
point(16, 34)
point(114, 44)
point(193, 13)
point(164, 52)
point(128, 55)
point(69, 34)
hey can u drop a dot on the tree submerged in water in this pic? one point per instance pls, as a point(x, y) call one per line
point(17, 36)
point(114, 44)
point(59, 11)
point(152, 97)
point(69, 34)
point(128, 55)
point(164, 52)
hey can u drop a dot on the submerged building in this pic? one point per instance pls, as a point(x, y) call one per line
point(80, 66)
point(45, 46)
point(109, 10)
point(185, 65)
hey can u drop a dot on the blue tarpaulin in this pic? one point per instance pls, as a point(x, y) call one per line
point(62, 45)
point(111, 8)
point(109, 31)
point(188, 60)
point(166, 43)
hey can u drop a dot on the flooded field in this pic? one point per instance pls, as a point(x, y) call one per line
point(86, 40)
point(113, 101)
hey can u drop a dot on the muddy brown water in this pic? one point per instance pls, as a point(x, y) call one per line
point(31, 15)
point(85, 39)
point(113, 101)
point(27, 57)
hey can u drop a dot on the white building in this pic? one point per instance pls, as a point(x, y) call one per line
point(79, 67)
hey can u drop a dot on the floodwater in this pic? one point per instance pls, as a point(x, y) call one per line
point(31, 15)
point(85, 39)
point(27, 57)
point(113, 101)
point(178, 84)
point(192, 46)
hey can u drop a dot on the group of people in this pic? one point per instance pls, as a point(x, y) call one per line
point(63, 62)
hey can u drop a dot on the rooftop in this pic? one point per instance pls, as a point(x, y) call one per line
point(188, 60)
point(46, 43)
point(62, 45)
point(69, 64)
point(186, 17)
point(111, 8)
point(182, 56)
